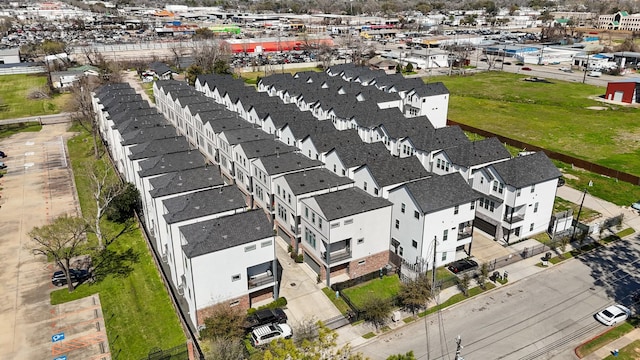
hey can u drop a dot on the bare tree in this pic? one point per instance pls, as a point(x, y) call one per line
point(61, 240)
point(207, 53)
point(81, 108)
point(105, 187)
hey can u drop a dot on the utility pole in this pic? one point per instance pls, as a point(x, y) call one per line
point(586, 67)
point(433, 268)
point(459, 348)
point(584, 195)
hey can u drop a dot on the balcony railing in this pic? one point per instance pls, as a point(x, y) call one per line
point(467, 233)
point(336, 256)
point(513, 219)
point(260, 280)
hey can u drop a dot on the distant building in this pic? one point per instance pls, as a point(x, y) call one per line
point(621, 20)
point(626, 91)
point(10, 56)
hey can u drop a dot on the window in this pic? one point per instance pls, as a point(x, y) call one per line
point(414, 244)
point(360, 241)
point(313, 218)
point(278, 190)
point(492, 206)
point(335, 225)
point(444, 256)
point(501, 188)
point(266, 243)
point(416, 214)
point(495, 185)
point(362, 262)
point(365, 186)
point(456, 210)
point(472, 205)
point(518, 192)
point(445, 235)
point(334, 169)
point(397, 224)
point(306, 212)
point(481, 202)
point(310, 237)
point(533, 188)
point(348, 222)
point(402, 207)
point(235, 277)
point(249, 248)
point(400, 251)
point(531, 227)
point(535, 208)
point(375, 191)
point(234, 303)
point(320, 223)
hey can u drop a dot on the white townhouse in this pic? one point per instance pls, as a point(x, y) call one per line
point(435, 212)
point(430, 100)
point(343, 160)
point(517, 196)
point(174, 184)
point(214, 127)
point(378, 176)
point(316, 145)
point(291, 189)
point(468, 157)
point(295, 131)
point(245, 153)
point(267, 168)
point(159, 165)
point(230, 259)
point(189, 209)
point(345, 232)
point(228, 139)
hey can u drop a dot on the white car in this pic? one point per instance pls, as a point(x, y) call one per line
point(636, 205)
point(613, 314)
point(265, 334)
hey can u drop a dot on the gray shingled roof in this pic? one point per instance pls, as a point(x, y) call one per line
point(396, 170)
point(142, 122)
point(144, 135)
point(278, 164)
point(226, 232)
point(325, 141)
point(478, 152)
point(203, 203)
point(185, 181)
point(527, 170)
point(361, 153)
point(314, 180)
point(219, 124)
point(266, 147)
point(342, 203)
point(171, 162)
point(239, 136)
point(441, 192)
point(159, 147)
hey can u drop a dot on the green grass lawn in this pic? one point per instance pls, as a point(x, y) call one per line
point(553, 116)
point(385, 288)
point(629, 352)
point(339, 303)
point(586, 214)
point(137, 310)
point(602, 340)
point(13, 97)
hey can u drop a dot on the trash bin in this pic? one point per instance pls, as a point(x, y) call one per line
point(547, 256)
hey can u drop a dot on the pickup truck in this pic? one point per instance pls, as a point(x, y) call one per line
point(265, 317)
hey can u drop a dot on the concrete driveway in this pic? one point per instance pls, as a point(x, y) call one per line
point(38, 187)
point(305, 299)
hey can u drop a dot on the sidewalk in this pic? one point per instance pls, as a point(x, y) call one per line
point(517, 271)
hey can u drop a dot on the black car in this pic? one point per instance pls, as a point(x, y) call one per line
point(265, 317)
point(462, 265)
point(561, 182)
point(76, 275)
point(2, 154)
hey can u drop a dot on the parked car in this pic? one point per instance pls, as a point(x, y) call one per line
point(564, 68)
point(263, 335)
point(526, 68)
point(594, 74)
point(265, 317)
point(2, 154)
point(462, 265)
point(636, 205)
point(77, 275)
point(613, 314)
point(2, 165)
point(507, 63)
point(561, 181)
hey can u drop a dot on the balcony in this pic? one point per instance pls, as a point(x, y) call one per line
point(336, 256)
point(296, 229)
point(513, 219)
point(260, 279)
point(464, 234)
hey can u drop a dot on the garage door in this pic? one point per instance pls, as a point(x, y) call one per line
point(617, 96)
point(485, 226)
point(312, 263)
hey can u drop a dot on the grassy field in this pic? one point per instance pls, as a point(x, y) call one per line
point(552, 115)
point(10, 129)
point(13, 97)
point(600, 341)
point(137, 310)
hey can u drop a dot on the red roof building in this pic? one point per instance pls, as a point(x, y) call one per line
point(626, 91)
point(275, 44)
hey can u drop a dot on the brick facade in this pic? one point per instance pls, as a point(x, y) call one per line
point(243, 303)
point(372, 263)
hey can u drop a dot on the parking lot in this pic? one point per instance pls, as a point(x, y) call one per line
point(38, 187)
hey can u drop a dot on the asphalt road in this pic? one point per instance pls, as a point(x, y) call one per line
point(541, 317)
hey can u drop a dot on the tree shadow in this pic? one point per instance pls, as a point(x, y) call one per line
point(115, 263)
point(614, 269)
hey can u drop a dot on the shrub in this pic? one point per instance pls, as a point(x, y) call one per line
point(299, 258)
